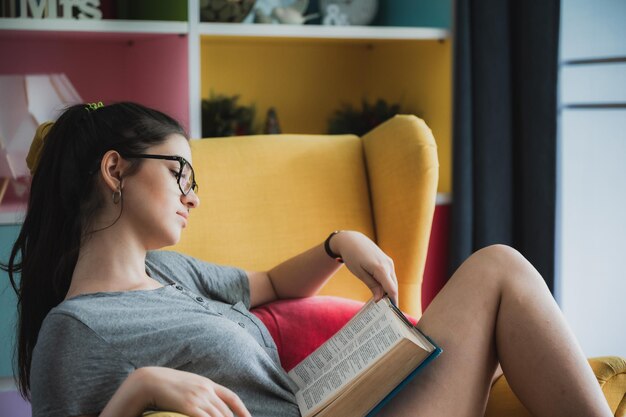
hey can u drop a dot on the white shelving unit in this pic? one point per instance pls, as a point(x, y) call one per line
point(321, 32)
point(224, 29)
point(195, 31)
point(99, 26)
point(11, 217)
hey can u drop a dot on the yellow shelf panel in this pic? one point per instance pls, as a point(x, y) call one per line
point(307, 79)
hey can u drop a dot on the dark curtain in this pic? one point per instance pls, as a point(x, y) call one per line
point(504, 133)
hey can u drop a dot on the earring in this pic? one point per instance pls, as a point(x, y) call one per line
point(117, 195)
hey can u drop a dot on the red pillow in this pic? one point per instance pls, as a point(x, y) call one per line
point(299, 326)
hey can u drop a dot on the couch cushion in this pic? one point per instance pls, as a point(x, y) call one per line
point(267, 198)
point(300, 326)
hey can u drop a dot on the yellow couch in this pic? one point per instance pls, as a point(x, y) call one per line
point(267, 198)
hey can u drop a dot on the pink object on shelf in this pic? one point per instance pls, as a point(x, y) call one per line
point(27, 101)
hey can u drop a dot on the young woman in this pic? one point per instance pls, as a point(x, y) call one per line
point(110, 327)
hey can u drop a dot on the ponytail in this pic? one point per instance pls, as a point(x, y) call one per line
point(63, 199)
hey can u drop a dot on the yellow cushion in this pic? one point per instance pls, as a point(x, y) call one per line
point(610, 372)
point(267, 198)
point(403, 170)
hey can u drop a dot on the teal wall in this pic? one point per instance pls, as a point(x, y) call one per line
point(428, 13)
point(8, 302)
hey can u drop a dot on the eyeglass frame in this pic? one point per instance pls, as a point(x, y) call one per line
point(182, 161)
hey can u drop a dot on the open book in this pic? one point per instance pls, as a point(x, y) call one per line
point(363, 365)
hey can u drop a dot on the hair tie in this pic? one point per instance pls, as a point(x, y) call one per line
point(34, 153)
point(94, 106)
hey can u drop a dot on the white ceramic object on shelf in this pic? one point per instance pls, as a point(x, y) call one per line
point(348, 12)
point(264, 11)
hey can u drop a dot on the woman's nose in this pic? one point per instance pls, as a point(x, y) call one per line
point(191, 200)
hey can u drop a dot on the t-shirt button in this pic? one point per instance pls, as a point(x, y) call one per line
point(200, 299)
point(179, 287)
point(242, 325)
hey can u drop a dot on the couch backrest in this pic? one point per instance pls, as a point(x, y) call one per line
point(267, 198)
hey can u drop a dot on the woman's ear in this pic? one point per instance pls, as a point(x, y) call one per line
point(112, 168)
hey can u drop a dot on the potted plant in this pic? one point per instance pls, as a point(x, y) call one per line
point(222, 116)
point(348, 119)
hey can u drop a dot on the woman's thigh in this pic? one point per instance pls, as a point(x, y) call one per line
point(461, 319)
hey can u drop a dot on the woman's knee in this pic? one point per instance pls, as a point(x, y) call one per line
point(500, 255)
point(500, 263)
point(507, 265)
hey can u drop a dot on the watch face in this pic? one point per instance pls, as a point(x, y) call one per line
point(357, 12)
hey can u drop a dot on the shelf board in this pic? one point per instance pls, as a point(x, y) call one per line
point(92, 25)
point(13, 216)
point(321, 32)
point(20, 26)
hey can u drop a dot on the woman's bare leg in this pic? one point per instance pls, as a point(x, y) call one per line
point(497, 309)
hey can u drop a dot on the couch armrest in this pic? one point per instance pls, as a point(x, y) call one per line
point(610, 372)
point(403, 171)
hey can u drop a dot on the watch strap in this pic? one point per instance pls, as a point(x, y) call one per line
point(329, 251)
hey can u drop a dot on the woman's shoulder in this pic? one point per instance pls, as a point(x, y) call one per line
point(75, 320)
point(176, 268)
point(61, 331)
point(221, 282)
point(63, 319)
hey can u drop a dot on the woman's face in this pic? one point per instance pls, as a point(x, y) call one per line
point(154, 205)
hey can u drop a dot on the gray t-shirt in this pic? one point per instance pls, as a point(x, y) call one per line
point(198, 322)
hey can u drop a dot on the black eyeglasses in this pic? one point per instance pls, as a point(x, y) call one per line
point(186, 177)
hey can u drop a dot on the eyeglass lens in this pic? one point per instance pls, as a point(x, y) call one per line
point(186, 179)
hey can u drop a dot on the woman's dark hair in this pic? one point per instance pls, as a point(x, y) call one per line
point(64, 196)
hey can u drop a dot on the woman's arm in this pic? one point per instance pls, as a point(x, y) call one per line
point(172, 390)
point(304, 274)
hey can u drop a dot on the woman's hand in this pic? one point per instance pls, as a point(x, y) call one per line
point(368, 262)
point(190, 394)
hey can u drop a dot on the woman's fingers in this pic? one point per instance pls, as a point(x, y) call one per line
point(217, 407)
point(369, 263)
point(191, 394)
point(394, 297)
point(233, 401)
point(380, 281)
point(213, 410)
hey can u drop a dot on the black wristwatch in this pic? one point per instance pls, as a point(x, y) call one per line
point(329, 250)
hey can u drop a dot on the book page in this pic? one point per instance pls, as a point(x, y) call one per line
point(415, 334)
point(313, 365)
point(357, 356)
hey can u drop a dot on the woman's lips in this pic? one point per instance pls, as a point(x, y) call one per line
point(184, 216)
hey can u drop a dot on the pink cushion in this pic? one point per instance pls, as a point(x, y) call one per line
point(300, 326)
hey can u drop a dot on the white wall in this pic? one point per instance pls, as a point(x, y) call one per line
point(591, 207)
